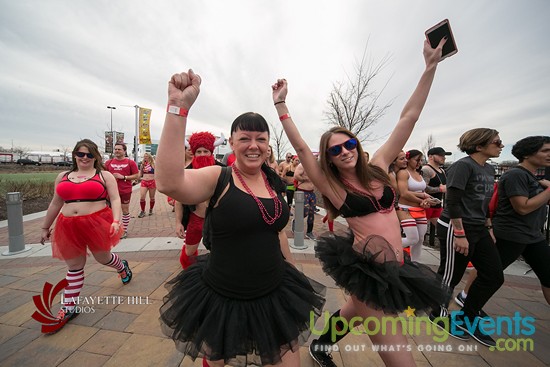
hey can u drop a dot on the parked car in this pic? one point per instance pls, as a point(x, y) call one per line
point(26, 161)
point(63, 164)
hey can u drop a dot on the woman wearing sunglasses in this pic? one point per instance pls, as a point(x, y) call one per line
point(369, 264)
point(86, 222)
point(465, 232)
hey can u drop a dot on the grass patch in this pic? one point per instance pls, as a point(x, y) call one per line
point(30, 185)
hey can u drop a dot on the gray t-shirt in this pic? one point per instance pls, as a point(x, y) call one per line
point(477, 183)
point(509, 224)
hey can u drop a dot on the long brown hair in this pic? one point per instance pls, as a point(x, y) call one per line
point(366, 173)
point(92, 148)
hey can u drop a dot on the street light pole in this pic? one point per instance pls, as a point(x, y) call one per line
point(136, 136)
point(112, 134)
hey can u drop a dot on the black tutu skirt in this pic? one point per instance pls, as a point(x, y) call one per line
point(206, 324)
point(371, 272)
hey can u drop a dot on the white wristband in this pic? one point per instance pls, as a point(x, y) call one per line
point(177, 111)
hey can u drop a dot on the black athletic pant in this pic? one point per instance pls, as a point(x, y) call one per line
point(484, 256)
point(537, 255)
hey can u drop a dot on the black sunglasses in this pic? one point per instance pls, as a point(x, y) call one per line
point(82, 155)
point(335, 150)
point(497, 142)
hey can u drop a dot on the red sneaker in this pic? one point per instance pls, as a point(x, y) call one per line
point(185, 260)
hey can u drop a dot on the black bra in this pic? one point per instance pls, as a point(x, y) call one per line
point(357, 205)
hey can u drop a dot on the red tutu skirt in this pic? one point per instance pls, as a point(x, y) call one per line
point(72, 236)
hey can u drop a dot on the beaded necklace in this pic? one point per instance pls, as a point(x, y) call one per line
point(379, 208)
point(265, 215)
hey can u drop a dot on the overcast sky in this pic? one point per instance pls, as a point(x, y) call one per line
point(63, 62)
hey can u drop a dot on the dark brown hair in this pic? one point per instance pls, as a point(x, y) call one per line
point(92, 148)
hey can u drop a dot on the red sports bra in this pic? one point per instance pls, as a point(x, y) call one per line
point(93, 189)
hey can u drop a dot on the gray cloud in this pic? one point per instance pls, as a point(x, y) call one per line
point(63, 62)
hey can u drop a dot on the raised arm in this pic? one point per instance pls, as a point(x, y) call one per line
point(411, 112)
point(191, 186)
point(308, 160)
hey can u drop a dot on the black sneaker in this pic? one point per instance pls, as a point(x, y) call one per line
point(459, 299)
point(476, 333)
point(64, 316)
point(446, 326)
point(321, 353)
point(126, 274)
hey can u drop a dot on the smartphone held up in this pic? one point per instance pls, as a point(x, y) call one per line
point(437, 32)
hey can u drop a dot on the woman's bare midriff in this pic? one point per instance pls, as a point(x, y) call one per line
point(382, 224)
point(82, 208)
point(148, 177)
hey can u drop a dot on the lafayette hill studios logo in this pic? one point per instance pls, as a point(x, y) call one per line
point(43, 303)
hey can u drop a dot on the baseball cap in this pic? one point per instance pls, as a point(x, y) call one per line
point(438, 151)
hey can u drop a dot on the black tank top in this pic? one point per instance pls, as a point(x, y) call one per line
point(439, 179)
point(245, 259)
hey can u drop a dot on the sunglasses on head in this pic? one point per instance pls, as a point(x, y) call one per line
point(82, 155)
point(335, 150)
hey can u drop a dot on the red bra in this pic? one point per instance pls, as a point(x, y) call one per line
point(93, 189)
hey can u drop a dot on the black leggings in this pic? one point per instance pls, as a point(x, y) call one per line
point(537, 255)
point(483, 254)
point(289, 197)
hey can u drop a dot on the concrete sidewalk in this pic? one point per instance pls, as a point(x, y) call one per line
point(124, 329)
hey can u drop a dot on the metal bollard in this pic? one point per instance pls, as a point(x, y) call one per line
point(15, 224)
point(299, 221)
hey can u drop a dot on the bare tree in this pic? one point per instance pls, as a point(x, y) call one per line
point(280, 143)
point(429, 144)
point(353, 103)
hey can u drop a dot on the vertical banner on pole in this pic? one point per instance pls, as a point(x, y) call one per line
point(144, 119)
point(119, 137)
point(109, 142)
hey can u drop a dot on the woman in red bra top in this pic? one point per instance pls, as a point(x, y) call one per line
point(86, 222)
point(368, 263)
point(148, 184)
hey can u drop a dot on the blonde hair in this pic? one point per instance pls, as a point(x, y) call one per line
point(366, 173)
point(151, 160)
point(271, 156)
point(471, 139)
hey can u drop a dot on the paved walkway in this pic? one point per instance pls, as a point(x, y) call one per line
point(124, 329)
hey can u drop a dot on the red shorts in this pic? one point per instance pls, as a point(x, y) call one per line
point(72, 236)
point(125, 198)
point(433, 212)
point(416, 212)
point(150, 184)
point(193, 233)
